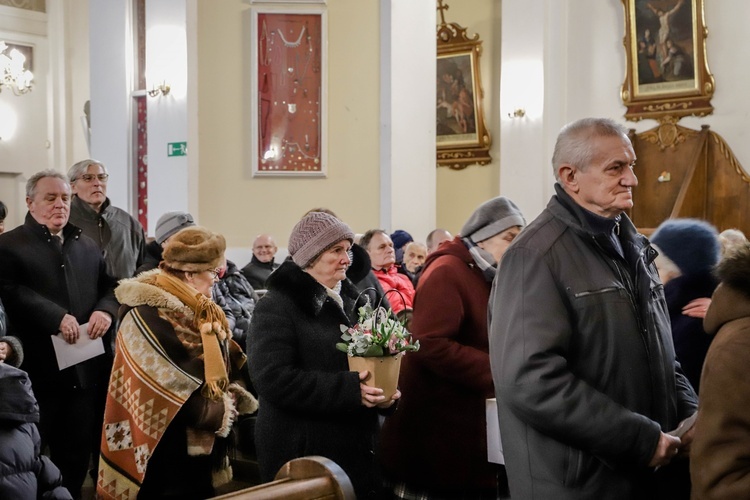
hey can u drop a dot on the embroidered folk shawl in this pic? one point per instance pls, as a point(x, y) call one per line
point(146, 390)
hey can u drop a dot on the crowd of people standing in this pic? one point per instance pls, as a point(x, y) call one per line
point(590, 336)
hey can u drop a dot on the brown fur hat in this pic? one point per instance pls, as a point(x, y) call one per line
point(194, 249)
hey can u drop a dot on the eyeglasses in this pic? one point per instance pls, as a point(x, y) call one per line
point(91, 177)
point(215, 273)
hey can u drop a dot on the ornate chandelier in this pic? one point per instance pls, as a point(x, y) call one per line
point(12, 72)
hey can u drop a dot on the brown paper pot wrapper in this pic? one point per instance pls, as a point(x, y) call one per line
point(383, 371)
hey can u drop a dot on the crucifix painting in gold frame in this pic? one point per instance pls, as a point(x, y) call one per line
point(666, 69)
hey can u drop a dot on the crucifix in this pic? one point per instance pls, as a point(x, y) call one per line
point(440, 9)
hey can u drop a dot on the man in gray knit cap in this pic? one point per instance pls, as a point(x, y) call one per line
point(167, 225)
point(452, 365)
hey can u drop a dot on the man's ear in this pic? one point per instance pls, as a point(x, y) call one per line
point(28, 202)
point(568, 175)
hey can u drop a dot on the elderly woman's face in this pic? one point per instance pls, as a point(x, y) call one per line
point(498, 244)
point(330, 267)
point(203, 281)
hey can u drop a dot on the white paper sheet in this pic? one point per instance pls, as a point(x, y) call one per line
point(84, 348)
point(494, 445)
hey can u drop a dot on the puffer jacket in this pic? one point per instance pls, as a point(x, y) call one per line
point(24, 472)
point(237, 299)
point(583, 362)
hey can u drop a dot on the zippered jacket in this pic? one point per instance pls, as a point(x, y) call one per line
point(582, 360)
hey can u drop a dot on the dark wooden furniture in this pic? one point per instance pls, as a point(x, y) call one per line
point(304, 478)
point(688, 173)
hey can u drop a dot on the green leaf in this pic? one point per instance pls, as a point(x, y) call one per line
point(342, 347)
point(373, 350)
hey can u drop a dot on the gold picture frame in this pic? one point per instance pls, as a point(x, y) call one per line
point(667, 73)
point(461, 135)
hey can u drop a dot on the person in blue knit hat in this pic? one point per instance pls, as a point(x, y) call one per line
point(400, 239)
point(689, 250)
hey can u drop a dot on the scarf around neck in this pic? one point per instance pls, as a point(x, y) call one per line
point(483, 259)
point(212, 324)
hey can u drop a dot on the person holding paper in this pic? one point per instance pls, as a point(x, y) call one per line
point(52, 280)
point(582, 358)
point(173, 395)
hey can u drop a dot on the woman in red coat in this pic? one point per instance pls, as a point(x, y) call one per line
point(436, 443)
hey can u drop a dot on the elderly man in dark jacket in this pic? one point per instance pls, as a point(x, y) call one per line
point(580, 345)
point(118, 234)
point(52, 280)
point(262, 264)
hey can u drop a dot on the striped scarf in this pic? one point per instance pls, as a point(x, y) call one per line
point(483, 259)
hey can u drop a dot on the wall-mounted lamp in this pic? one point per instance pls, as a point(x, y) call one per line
point(517, 113)
point(12, 72)
point(162, 89)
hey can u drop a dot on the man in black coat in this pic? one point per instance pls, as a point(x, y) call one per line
point(52, 281)
point(262, 264)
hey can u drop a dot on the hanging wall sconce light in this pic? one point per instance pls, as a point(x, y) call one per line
point(13, 75)
point(162, 89)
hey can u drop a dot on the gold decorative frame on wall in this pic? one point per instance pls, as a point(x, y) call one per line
point(462, 137)
point(667, 73)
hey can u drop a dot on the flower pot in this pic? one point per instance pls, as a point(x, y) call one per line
point(383, 371)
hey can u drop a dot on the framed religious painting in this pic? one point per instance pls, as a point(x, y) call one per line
point(462, 138)
point(666, 69)
point(288, 90)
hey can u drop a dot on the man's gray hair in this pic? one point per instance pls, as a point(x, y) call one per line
point(34, 180)
point(364, 242)
point(81, 167)
point(574, 142)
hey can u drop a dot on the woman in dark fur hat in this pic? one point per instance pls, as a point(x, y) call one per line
point(173, 395)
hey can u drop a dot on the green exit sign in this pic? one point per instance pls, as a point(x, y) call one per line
point(176, 148)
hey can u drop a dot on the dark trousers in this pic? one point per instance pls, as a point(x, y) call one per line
point(68, 417)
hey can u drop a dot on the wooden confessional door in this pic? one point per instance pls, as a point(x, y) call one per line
point(688, 173)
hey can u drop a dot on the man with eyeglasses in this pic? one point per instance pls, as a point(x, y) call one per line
point(120, 236)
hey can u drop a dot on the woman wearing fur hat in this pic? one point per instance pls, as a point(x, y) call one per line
point(311, 403)
point(172, 400)
point(718, 459)
point(435, 446)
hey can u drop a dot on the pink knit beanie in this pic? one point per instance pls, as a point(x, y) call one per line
point(314, 234)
